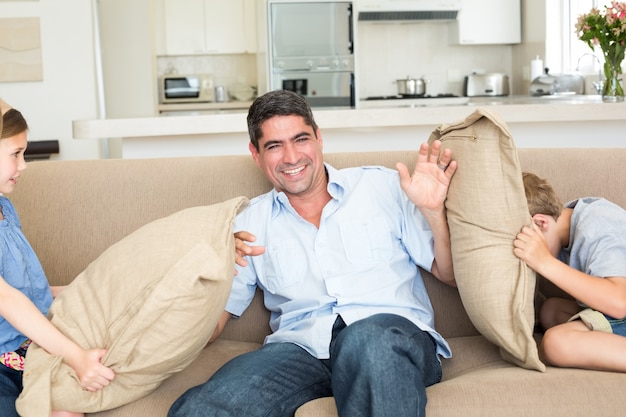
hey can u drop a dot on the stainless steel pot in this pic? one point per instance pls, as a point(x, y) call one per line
point(411, 86)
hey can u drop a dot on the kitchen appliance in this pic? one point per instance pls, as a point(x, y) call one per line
point(191, 88)
point(220, 93)
point(494, 84)
point(564, 84)
point(411, 86)
point(311, 50)
point(408, 10)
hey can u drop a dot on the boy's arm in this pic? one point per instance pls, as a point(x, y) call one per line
point(605, 294)
point(18, 310)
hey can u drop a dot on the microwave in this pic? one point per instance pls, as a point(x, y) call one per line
point(192, 88)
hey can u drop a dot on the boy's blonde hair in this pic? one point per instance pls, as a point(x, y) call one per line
point(541, 196)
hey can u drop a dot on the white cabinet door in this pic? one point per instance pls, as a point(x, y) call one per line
point(184, 27)
point(203, 27)
point(224, 26)
point(483, 22)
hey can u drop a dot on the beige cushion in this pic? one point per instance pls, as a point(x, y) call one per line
point(153, 300)
point(486, 208)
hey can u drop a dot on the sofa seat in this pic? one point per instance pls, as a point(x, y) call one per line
point(209, 361)
point(477, 382)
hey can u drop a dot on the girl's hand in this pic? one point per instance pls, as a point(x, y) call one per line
point(92, 374)
point(242, 248)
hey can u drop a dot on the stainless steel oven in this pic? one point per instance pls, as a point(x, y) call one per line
point(311, 50)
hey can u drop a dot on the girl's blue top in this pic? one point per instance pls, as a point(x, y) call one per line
point(20, 267)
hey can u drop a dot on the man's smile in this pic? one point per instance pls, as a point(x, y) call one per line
point(293, 171)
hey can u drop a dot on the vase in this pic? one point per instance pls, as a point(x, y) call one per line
point(612, 90)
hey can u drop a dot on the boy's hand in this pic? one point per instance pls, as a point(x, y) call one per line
point(242, 249)
point(531, 247)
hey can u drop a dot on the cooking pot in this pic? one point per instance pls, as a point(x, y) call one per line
point(411, 86)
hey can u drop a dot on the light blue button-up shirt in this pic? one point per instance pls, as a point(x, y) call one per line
point(360, 262)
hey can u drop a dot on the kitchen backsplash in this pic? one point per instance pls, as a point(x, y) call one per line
point(225, 70)
point(387, 52)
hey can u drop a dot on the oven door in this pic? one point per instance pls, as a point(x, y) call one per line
point(321, 89)
point(306, 29)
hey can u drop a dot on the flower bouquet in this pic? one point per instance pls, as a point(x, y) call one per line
point(607, 30)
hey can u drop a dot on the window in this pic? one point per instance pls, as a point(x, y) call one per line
point(573, 53)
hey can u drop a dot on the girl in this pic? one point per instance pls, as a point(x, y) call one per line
point(24, 292)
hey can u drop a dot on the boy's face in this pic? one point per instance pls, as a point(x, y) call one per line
point(550, 233)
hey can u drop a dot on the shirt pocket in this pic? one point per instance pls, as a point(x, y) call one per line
point(366, 241)
point(283, 267)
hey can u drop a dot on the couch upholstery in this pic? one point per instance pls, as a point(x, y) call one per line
point(72, 211)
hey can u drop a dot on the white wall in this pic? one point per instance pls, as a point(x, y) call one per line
point(390, 51)
point(126, 37)
point(67, 91)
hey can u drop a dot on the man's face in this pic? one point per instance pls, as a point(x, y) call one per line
point(290, 155)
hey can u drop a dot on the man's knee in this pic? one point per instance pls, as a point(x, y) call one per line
point(381, 334)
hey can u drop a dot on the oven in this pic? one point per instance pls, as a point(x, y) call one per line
point(321, 88)
point(311, 50)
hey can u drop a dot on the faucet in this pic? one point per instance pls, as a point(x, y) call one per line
point(596, 84)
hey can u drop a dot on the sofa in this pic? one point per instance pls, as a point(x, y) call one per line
point(71, 211)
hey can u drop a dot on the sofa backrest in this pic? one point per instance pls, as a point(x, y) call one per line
point(71, 211)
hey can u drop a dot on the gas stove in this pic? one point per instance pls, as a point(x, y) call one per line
point(413, 101)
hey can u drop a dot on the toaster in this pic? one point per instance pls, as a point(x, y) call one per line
point(494, 84)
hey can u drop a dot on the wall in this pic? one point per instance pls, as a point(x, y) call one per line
point(533, 44)
point(126, 29)
point(391, 51)
point(67, 91)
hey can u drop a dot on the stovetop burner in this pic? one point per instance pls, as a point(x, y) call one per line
point(408, 96)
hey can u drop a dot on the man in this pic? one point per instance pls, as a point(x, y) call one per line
point(337, 264)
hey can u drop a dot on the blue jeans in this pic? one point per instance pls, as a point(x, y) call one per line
point(379, 366)
point(10, 388)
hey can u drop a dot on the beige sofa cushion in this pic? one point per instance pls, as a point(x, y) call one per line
point(152, 300)
point(486, 208)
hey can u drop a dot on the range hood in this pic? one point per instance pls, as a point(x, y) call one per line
point(407, 10)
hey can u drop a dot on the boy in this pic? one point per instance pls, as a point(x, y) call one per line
point(581, 248)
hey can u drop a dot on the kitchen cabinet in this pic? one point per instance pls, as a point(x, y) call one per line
point(203, 27)
point(487, 22)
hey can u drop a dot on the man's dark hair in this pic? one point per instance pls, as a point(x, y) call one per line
point(277, 103)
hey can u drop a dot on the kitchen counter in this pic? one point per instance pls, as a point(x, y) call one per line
point(184, 109)
point(578, 121)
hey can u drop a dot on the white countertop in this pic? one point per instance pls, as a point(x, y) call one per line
point(515, 109)
point(204, 107)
